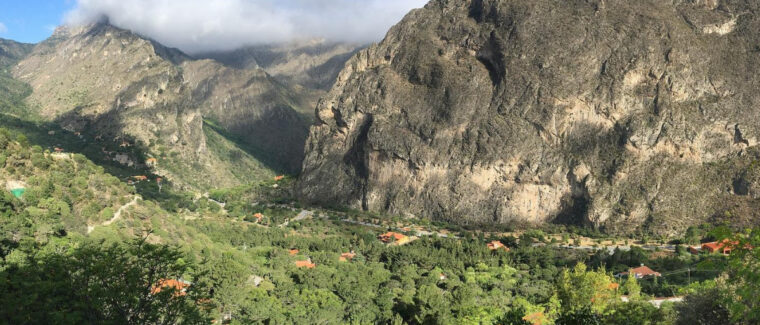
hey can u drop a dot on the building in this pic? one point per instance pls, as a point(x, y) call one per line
point(258, 217)
point(58, 150)
point(393, 237)
point(278, 178)
point(724, 247)
point(641, 272)
point(293, 252)
point(151, 162)
point(307, 264)
point(495, 245)
point(179, 286)
point(347, 256)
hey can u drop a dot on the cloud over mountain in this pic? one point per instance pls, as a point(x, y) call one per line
point(208, 25)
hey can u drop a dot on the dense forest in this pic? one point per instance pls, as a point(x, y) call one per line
point(251, 255)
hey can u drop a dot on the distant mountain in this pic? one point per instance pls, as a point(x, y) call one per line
point(626, 115)
point(11, 51)
point(313, 64)
point(208, 125)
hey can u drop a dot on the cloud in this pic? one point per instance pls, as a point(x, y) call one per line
point(3, 29)
point(207, 25)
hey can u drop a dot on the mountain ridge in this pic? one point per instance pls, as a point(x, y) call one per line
point(622, 116)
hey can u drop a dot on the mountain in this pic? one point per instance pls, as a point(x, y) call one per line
point(625, 115)
point(207, 125)
point(11, 51)
point(312, 64)
point(308, 68)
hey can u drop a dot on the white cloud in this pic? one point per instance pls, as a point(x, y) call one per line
point(204, 25)
point(3, 29)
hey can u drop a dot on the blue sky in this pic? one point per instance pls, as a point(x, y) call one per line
point(31, 21)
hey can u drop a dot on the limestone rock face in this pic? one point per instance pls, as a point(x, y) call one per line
point(625, 115)
point(117, 84)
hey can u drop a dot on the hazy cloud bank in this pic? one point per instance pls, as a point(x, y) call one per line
point(3, 29)
point(206, 25)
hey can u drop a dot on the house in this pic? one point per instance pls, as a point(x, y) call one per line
point(140, 178)
point(58, 150)
point(151, 162)
point(347, 256)
point(641, 272)
point(393, 237)
point(293, 252)
point(260, 216)
point(179, 286)
point(279, 178)
point(495, 245)
point(307, 264)
point(125, 144)
point(724, 247)
point(695, 249)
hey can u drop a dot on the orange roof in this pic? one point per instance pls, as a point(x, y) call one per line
point(724, 246)
point(140, 178)
point(346, 256)
point(613, 286)
point(642, 271)
point(293, 251)
point(258, 216)
point(279, 178)
point(388, 236)
point(151, 160)
point(179, 286)
point(494, 245)
point(58, 150)
point(306, 264)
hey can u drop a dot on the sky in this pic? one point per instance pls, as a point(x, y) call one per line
point(31, 21)
point(211, 25)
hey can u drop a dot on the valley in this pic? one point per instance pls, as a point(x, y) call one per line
point(486, 162)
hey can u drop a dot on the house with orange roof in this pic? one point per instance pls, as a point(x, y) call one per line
point(495, 245)
point(393, 237)
point(347, 256)
point(724, 247)
point(179, 286)
point(258, 217)
point(293, 252)
point(151, 162)
point(641, 272)
point(140, 178)
point(279, 178)
point(307, 264)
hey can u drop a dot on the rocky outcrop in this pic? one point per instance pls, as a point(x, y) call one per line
point(11, 52)
point(626, 115)
point(122, 87)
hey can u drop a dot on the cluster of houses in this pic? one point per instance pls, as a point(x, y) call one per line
point(394, 238)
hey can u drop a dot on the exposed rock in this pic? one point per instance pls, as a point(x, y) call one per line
point(113, 82)
point(619, 114)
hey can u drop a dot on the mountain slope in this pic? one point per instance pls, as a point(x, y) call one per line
point(623, 115)
point(121, 87)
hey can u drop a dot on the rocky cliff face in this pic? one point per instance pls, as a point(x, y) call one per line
point(626, 115)
point(123, 87)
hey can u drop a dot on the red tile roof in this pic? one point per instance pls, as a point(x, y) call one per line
point(494, 245)
point(307, 264)
point(293, 252)
point(391, 236)
point(642, 271)
point(179, 286)
point(346, 256)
